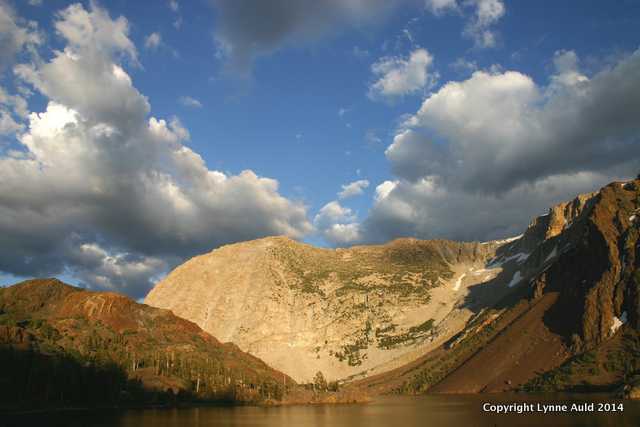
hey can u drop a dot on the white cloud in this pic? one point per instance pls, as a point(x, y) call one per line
point(12, 107)
point(427, 209)
point(338, 224)
point(397, 76)
point(95, 30)
point(464, 66)
point(333, 212)
point(15, 34)
point(467, 171)
point(574, 124)
point(383, 190)
point(437, 7)
point(106, 192)
point(8, 125)
point(189, 101)
point(343, 234)
point(175, 8)
point(353, 189)
point(35, 2)
point(153, 41)
point(371, 137)
point(479, 28)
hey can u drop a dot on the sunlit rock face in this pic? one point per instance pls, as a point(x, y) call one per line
point(345, 312)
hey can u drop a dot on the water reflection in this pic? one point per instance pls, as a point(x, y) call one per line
point(424, 411)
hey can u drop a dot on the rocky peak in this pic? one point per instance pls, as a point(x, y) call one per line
point(594, 267)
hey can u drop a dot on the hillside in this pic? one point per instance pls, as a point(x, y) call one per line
point(61, 345)
point(350, 313)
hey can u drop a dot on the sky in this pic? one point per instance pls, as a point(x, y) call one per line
point(135, 135)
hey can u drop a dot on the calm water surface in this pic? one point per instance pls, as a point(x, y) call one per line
point(425, 411)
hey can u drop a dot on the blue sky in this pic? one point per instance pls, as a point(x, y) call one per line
point(455, 119)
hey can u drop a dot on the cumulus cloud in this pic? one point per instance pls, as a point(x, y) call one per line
point(438, 7)
point(15, 34)
point(479, 28)
point(483, 155)
point(189, 101)
point(427, 209)
point(572, 125)
point(108, 193)
point(152, 41)
point(247, 29)
point(338, 224)
point(484, 15)
point(397, 76)
point(8, 124)
point(95, 30)
point(353, 189)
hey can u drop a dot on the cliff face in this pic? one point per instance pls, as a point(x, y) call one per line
point(54, 324)
point(345, 312)
point(594, 273)
point(577, 288)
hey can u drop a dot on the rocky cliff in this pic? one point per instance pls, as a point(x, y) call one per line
point(571, 322)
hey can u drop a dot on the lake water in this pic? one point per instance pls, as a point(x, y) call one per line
point(425, 411)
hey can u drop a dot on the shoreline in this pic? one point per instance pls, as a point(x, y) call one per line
point(326, 400)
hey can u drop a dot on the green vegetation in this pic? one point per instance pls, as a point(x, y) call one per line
point(411, 336)
point(460, 348)
point(353, 353)
point(406, 270)
point(61, 360)
point(604, 367)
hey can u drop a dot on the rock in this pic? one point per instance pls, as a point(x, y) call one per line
point(343, 312)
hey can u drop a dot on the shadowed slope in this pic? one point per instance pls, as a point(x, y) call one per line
point(47, 318)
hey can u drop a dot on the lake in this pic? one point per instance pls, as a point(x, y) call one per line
point(429, 410)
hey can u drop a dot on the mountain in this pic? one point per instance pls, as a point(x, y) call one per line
point(349, 313)
point(62, 345)
point(571, 322)
point(437, 315)
point(344, 312)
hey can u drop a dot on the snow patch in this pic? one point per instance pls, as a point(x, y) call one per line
point(503, 241)
point(515, 280)
point(458, 283)
point(520, 257)
point(553, 254)
point(632, 218)
point(618, 322)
